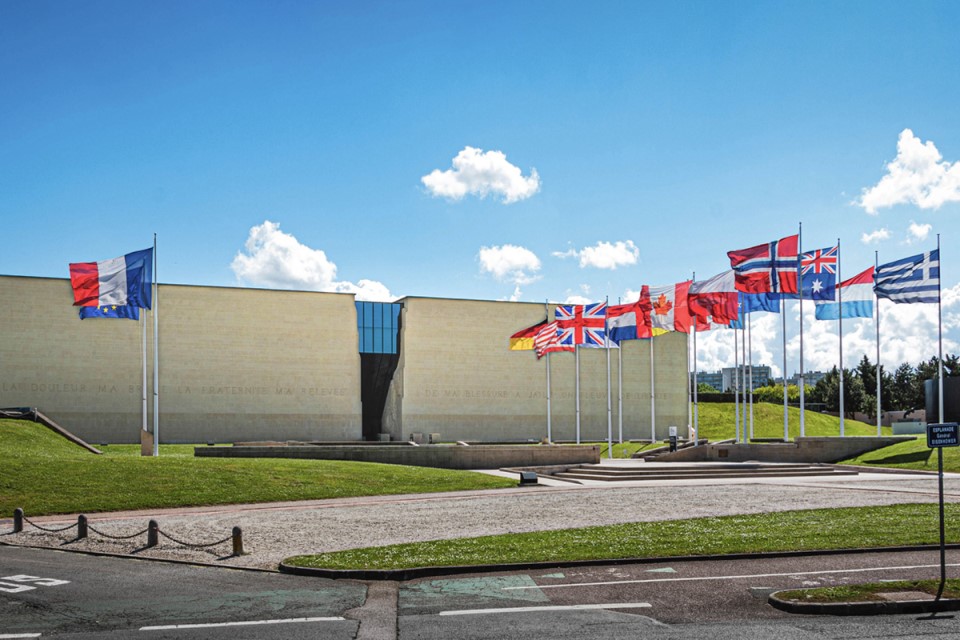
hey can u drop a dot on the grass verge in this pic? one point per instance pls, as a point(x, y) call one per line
point(817, 529)
point(44, 473)
point(870, 592)
point(909, 455)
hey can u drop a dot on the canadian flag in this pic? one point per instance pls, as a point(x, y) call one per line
point(669, 310)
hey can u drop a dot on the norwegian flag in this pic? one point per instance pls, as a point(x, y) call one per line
point(767, 268)
point(582, 324)
point(818, 271)
point(547, 340)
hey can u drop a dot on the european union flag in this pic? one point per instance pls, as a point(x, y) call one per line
point(131, 312)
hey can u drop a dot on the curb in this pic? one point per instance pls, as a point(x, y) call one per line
point(863, 608)
point(412, 573)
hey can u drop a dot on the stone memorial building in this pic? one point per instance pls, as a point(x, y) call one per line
point(241, 364)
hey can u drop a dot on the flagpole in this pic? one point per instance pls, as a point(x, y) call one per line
point(546, 313)
point(606, 340)
point(800, 291)
point(143, 366)
point(549, 425)
point(736, 385)
point(156, 358)
point(839, 295)
point(750, 352)
point(689, 389)
point(620, 394)
point(696, 406)
point(620, 389)
point(876, 263)
point(940, 417)
point(653, 395)
point(577, 353)
point(783, 333)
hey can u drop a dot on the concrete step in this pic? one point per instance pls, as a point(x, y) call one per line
point(688, 472)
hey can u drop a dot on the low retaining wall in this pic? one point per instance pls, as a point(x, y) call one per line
point(440, 456)
point(807, 449)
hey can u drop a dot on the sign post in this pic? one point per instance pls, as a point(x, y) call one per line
point(942, 435)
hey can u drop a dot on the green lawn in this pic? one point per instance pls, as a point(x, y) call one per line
point(717, 422)
point(815, 529)
point(44, 473)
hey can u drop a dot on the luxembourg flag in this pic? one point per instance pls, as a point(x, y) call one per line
point(857, 296)
point(123, 281)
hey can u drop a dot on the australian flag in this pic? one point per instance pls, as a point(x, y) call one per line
point(767, 268)
point(818, 271)
point(583, 324)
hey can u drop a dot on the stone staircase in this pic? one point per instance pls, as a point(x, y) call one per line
point(676, 471)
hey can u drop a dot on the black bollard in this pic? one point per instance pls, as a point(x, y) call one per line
point(237, 541)
point(81, 527)
point(153, 534)
point(17, 520)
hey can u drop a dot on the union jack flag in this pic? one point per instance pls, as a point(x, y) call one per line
point(818, 271)
point(767, 268)
point(582, 324)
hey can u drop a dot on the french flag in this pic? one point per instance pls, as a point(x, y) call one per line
point(123, 281)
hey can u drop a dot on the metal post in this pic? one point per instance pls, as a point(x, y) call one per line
point(17, 520)
point(237, 541)
point(153, 533)
point(81, 527)
point(943, 551)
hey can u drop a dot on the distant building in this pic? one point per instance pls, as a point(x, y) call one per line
point(810, 378)
point(724, 380)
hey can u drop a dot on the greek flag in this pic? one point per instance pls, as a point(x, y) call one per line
point(913, 279)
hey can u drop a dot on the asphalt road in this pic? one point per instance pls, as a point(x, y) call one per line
point(46, 593)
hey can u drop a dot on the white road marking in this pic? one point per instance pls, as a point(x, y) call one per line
point(570, 607)
point(4, 636)
point(168, 627)
point(732, 577)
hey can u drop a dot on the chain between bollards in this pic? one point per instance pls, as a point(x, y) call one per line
point(153, 533)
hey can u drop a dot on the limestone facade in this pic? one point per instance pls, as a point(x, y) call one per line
point(239, 364)
point(456, 377)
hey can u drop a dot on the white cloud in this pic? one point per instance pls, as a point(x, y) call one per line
point(510, 263)
point(918, 232)
point(875, 237)
point(481, 173)
point(274, 259)
point(574, 298)
point(918, 175)
point(604, 255)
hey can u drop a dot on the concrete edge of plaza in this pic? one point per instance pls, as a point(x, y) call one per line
point(414, 573)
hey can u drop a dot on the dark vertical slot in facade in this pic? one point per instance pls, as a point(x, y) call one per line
point(378, 327)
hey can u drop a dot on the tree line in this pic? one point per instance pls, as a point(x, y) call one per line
point(900, 391)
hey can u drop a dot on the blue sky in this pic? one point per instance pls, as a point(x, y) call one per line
point(289, 144)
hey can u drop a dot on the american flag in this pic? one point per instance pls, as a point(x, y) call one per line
point(767, 268)
point(818, 271)
point(582, 324)
point(547, 340)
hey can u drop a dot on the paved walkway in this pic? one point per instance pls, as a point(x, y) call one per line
point(272, 532)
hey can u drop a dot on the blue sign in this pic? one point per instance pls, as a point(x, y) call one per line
point(943, 435)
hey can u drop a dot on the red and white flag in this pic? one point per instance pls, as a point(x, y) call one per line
point(767, 268)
